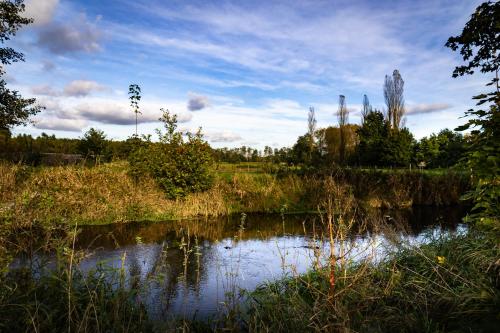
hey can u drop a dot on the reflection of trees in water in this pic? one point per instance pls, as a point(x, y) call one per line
point(257, 226)
point(173, 268)
point(173, 258)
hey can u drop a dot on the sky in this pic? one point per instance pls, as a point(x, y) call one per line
point(245, 71)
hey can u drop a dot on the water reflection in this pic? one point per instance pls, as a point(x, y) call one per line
point(195, 268)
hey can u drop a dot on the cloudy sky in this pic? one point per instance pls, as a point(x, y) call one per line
point(245, 71)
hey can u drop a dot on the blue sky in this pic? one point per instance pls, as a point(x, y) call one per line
point(245, 71)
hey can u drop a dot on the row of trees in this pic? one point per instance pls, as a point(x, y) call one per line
point(371, 144)
point(381, 139)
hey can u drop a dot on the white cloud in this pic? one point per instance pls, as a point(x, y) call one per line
point(45, 90)
point(76, 88)
point(59, 124)
point(119, 113)
point(81, 88)
point(225, 136)
point(104, 111)
point(41, 11)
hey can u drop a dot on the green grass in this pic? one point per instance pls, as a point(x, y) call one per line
point(451, 284)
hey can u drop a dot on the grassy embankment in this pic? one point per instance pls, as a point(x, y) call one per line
point(106, 194)
point(451, 284)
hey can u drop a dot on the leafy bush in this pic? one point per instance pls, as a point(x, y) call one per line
point(180, 164)
point(93, 143)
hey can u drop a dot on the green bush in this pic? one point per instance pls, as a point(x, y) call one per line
point(180, 164)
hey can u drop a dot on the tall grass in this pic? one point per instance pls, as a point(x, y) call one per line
point(106, 193)
point(450, 284)
point(404, 188)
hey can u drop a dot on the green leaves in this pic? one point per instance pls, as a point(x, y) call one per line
point(180, 164)
point(14, 110)
point(479, 46)
point(93, 143)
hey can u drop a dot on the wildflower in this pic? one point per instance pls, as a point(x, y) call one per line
point(441, 260)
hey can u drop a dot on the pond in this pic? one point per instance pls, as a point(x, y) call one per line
point(197, 268)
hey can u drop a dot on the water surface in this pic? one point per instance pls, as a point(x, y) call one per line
point(196, 268)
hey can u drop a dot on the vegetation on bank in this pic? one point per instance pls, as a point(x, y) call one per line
point(450, 284)
point(108, 193)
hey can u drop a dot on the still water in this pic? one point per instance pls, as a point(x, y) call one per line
point(196, 268)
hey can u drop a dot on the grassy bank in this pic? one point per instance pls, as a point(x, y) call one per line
point(403, 188)
point(450, 284)
point(106, 193)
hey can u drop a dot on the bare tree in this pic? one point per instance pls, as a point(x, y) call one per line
point(343, 118)
point(367, 108)
point(393, 94)
point(311, 130)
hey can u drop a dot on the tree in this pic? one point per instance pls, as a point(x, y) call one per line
point(300, 150)
point(311, 131)
point(14, 109)
point(343, 117)
point(372, 138)
point(330, 147)
point(134, 92)
point(380, 145)
point(397, 148)
point(442, 150)
point(394, 100)
point(479, 45)
point(367, 108)
point(93, 143)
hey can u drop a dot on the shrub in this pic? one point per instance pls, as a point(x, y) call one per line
point(180, 164)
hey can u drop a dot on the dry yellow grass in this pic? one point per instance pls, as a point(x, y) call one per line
point(106, 194)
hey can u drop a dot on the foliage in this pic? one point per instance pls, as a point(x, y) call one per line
point(14, 110)
point(93, 143)
point(134, 92)
point(372, 135)
point(381, 145)
point(398, 148)
point(450, 284)
point(441, 150)
point(479, 45)
point(179, 166)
